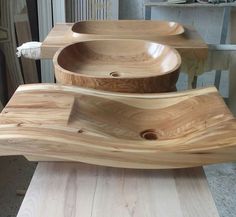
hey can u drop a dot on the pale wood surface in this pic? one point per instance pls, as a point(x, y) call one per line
point(120, 130)
point(69, 189)
point(120, 65)
point(63, 189)
point(62, 35)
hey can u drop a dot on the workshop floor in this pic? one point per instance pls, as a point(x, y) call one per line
point(16, 173)
point(15, 176)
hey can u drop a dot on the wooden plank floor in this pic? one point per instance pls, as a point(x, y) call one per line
point(81, 190)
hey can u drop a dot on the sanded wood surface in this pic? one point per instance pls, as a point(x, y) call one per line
point(147, 131)
point(120, 65)
point(80, 190)
point(62, 35)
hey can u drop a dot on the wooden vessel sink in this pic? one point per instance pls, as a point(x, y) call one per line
point(130, 66)
point(166, 130)
point(139, 29)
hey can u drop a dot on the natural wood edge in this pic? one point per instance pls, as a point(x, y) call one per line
point(57, 136)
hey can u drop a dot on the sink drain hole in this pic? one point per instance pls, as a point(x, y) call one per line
point(114, 74)
point(149, 134)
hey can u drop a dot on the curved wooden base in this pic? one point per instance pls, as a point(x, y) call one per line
point(171, 130)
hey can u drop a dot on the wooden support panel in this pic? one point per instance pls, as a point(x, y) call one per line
point(70, 189)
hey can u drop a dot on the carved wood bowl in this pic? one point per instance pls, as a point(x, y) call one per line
point(133, 66)
point(133, 29)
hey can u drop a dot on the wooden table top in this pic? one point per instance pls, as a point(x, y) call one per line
point(71, 189)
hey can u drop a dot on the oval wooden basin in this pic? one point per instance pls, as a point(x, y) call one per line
point(132, 66)
point(134, 29)
point(167, 130)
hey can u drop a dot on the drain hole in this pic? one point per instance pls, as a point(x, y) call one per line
point(149, 134)
point(80, 131)
point(114, 74)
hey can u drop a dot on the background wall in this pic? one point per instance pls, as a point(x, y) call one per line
point(131, 10)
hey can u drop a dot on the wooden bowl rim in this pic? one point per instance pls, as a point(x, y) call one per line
point(74, 26)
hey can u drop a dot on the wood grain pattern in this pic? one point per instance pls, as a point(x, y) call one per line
point(62, 35)
point(119, 130)
point(132, 66)
point(90, 191)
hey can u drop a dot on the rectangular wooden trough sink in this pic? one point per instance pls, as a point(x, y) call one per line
point(149, 131)
point(133, 29)
point(183, 38)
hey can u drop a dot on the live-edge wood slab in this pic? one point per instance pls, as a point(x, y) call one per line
point(149, 131)
point(81, 190)
point(189, 43)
